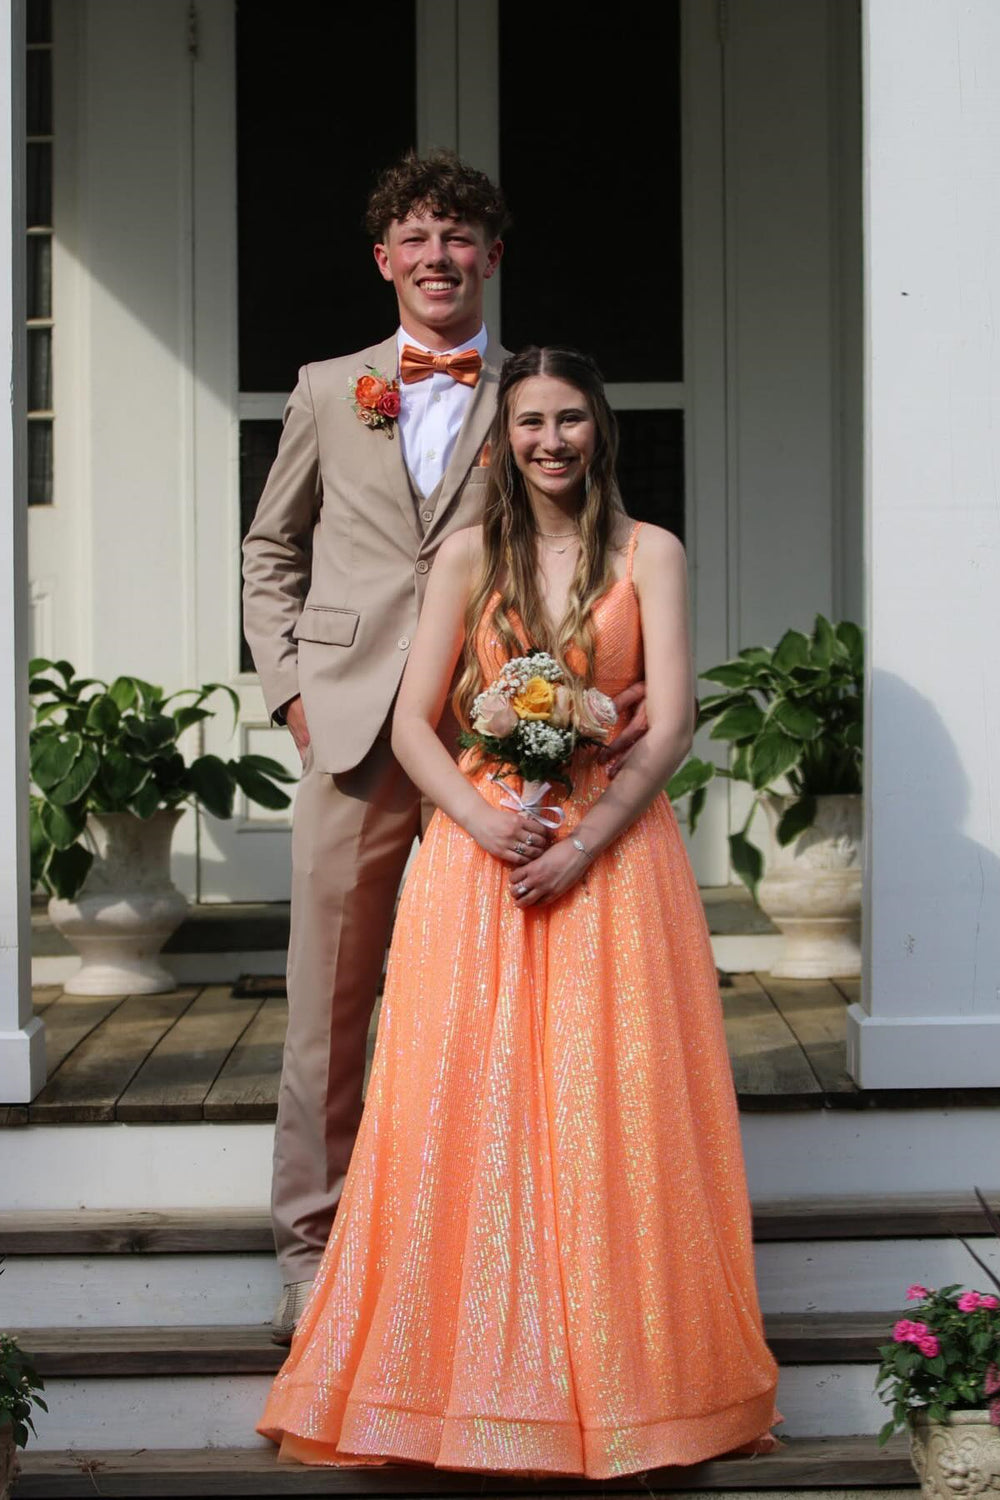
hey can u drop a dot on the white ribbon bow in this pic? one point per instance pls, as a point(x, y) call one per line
point(531, 803)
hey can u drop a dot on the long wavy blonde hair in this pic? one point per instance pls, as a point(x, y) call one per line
point(509, 566)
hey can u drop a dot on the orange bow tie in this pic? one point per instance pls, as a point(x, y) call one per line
point(417, 364)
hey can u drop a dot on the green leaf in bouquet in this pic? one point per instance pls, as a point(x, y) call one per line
point(771, 755)
point(62, 825)
point(747, 860)
point(738, 722)
point(257, 787)
point(696, 806)
point(51, 759)
point(212, 785)
point(757, 656)
point(39, 664)
point(693, 774)
point(796, 818)
point(78, 778)
point(67, 870)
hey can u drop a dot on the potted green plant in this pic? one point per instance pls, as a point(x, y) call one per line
point(19, 1387)
point(792, 719)
point(109, 783)
point(940, 1375)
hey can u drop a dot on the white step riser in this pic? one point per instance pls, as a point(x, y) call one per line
point(788, 1155)
point(220, 1411)
point(155, 1290)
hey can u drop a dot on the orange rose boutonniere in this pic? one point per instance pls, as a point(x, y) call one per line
point(376, 400)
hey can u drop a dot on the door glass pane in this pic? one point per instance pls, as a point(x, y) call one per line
point(590, 164)
point(313, 129)
point(651, 466)
point(258, 446)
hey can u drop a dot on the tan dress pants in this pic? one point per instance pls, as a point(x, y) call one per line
point(351, 835)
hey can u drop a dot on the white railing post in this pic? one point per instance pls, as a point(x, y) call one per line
point(931, 1011)
point(22, 1038)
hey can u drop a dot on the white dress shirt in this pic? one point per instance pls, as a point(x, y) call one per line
point(431, 412)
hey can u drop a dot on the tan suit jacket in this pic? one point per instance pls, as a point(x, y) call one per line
point(335, 563)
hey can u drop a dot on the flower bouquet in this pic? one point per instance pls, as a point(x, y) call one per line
point(531, 720)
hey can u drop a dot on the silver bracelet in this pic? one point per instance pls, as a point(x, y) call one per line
point(579, 844)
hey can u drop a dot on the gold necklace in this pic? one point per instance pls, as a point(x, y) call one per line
point(558, 534)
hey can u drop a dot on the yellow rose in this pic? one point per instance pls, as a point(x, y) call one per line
point(535, 699)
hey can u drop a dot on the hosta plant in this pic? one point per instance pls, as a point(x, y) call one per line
point(113, 748)
point(792, 717)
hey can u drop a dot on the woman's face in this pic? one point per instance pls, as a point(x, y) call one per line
point(552, 437)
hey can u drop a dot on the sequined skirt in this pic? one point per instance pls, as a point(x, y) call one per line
point(542, 1260)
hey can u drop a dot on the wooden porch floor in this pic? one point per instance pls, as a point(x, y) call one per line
point(213, 1052)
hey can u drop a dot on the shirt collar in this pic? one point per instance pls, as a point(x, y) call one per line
point(478, 343)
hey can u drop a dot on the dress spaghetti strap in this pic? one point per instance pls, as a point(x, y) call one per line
point(630, 553)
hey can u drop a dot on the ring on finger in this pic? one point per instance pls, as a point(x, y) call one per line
point(518, 848)
point(522, 889)
point(529, 838)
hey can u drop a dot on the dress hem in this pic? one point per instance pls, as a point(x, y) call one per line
point(364, 1435)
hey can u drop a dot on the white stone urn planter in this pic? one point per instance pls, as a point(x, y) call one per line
point(957, 1459)
point(127, 909)
point(811, 889)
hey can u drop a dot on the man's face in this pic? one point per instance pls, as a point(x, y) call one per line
point(438, 267)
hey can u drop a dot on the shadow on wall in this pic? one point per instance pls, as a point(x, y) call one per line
point(932, 890)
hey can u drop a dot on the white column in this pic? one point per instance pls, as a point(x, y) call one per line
point(931, 1014)
point(22, 1039)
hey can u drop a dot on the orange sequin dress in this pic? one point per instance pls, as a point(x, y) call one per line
point(542, 1259)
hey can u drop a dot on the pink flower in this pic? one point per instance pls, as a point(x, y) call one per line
point(916, 1292)
point(389, 403)
point(929, 1346)
point(968, 1302)
point(495, 717)
point(903, 1331)
point(991, 1302)
point(597, 715)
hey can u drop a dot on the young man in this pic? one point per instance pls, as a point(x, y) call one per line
point(366, 484)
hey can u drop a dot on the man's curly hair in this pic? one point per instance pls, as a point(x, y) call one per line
point(440, 182)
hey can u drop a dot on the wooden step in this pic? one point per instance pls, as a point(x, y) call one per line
point(820, 1463)
point(224, 1349)
point(236, 1231)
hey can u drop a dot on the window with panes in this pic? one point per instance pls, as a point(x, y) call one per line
point(589, 154)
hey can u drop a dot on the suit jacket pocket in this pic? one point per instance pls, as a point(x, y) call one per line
point(327, 624)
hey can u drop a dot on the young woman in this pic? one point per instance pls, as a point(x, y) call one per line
point(542, 1260)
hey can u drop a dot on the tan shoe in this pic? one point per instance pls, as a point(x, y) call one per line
point(289, 1310)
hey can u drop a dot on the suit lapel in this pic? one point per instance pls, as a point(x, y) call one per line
point(385, 358)
point(472, 435)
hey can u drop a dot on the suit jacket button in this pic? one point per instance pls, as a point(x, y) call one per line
point(422, 566)
point(427, 515)
point(403, 642)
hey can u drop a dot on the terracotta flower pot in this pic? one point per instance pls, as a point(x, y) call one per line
point(127, 909)
point(811, 890)
point(957, 1458)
